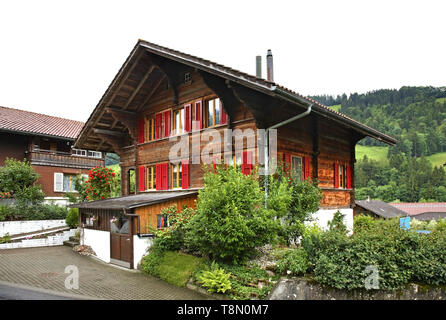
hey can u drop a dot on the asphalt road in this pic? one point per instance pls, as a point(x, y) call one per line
point(12, 292)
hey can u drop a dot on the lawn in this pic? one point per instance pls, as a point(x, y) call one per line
point(336, 107)
point(440, 100)
point(437, 159)
point(176, 268)
point(375, 153)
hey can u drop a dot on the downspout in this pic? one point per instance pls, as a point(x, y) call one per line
point(266, 137)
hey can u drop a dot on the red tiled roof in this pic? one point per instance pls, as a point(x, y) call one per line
point(419, 208)
point(36, 123)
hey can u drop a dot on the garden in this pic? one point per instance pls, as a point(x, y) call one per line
point(235, 246)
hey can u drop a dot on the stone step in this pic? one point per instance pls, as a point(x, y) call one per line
point(70, 243)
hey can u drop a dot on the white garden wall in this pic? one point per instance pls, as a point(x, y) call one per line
point(323, 216)
point(140, 247)
point(18, 227)
point(99, 241)
point(56, 240)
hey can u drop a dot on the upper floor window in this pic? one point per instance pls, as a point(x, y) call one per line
point(342, 175)
point(151, 178)
point(86, 153)
point(94, 154)
point(212, 111)
point(150, 126)
point(178, 121)
point(79, 152)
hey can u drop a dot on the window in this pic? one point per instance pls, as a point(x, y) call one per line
point(79, 152)
point(150, 134)
point(187, 78)
point(212, 107)
point(178, 121)
point(68, 182)
point(176, 177)
point(162, 221)
point(296, 167)
point(342, 176)
point(151, 178)
point(94, 154)
point(234, 161)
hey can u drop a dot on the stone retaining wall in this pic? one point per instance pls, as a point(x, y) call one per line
point(18, 227)
point(302, 289)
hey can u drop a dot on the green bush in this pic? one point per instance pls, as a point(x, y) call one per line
point(363, 223)
point(230, 220)
point(5, 239)
point(400, 256)
point(215, 280)
point(7, 212)
point(295, 261)
point(151, 262)
point(72, 219)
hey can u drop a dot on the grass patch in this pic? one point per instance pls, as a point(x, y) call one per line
point(440, 100)
point(173, 267)
point(336, 107)
point(437, 159)
point(372, 152)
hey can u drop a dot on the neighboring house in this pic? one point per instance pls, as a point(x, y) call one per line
point(423, 211)
point(377, 208)
point(46, 142)
point(161, 93)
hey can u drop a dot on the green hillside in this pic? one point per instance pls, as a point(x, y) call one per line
point(336, 107)
point(437, 159)
point(375, 153)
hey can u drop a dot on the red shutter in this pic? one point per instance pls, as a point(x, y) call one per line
point(141, 130)
point(247, 162)
point(349, 177)
point(336, 175)
point(167, 123)
point(224, 115)
point(307, 171)
point(187, 117)
point(141, 177)
point(287, 162)
point(158, 119)
point(198, 115)
point(159, 170)
point(185, 174)
point(165, 176)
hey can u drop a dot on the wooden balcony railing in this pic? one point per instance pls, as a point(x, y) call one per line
point(62, 159)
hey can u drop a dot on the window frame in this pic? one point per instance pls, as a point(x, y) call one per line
point(151, 177)
point(166, 221)
point(206, 112)
point(149, 134)
point(301, 166)
point(182, 115)
point(342, 168)
point(179, 175)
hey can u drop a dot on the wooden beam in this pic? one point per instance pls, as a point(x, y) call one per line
point(316, 151)
point(149, 96)
point(140, 84)
point(108, 132)
point(128, 119)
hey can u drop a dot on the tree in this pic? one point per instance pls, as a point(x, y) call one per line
point(18, 179)
point(230, 219)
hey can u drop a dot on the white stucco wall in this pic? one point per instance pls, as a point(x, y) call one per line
point(140, 247)
point(18, 227)
point(99, 241)
point(323, 216)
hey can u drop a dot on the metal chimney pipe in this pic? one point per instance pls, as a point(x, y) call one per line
point(258, 66)
point(269, 66)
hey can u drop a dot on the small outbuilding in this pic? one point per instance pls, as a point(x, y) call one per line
point(377, 208)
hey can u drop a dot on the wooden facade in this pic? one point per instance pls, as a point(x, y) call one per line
point(136, 119)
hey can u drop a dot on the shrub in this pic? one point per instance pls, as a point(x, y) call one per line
point(7, 212)
point(363, 223)
point(337, 223)
point(230, 220)
point(294, 261)
point(72, 219)
point(100, 184)
point(215, 280)
point(5, 239)
point(151, 262)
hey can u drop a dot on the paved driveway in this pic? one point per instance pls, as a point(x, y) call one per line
point(44, 268)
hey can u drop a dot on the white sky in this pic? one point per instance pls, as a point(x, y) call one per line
point(58, 57)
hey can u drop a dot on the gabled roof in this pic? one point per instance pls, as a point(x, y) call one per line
point(271, 89)
point(26, 122)
point(133, 201)
point(380, 208)
point(420, 208)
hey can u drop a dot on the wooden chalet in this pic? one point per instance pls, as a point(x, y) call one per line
point(46, 142)
point(159, 93)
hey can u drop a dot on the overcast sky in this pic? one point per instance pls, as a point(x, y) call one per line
point(58, 57)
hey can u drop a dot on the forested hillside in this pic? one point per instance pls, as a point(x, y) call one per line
point(416, 116)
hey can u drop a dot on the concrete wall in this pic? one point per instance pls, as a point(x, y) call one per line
point(18, 227)
point(99, 241)
point(56, 240)
point(300, 289)
point(140, 247)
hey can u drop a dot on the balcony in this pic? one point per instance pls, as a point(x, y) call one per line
point(62, 159)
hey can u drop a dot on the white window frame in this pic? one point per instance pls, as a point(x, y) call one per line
point(58, 182)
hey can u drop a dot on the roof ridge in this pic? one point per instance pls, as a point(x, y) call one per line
point(42, 114)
